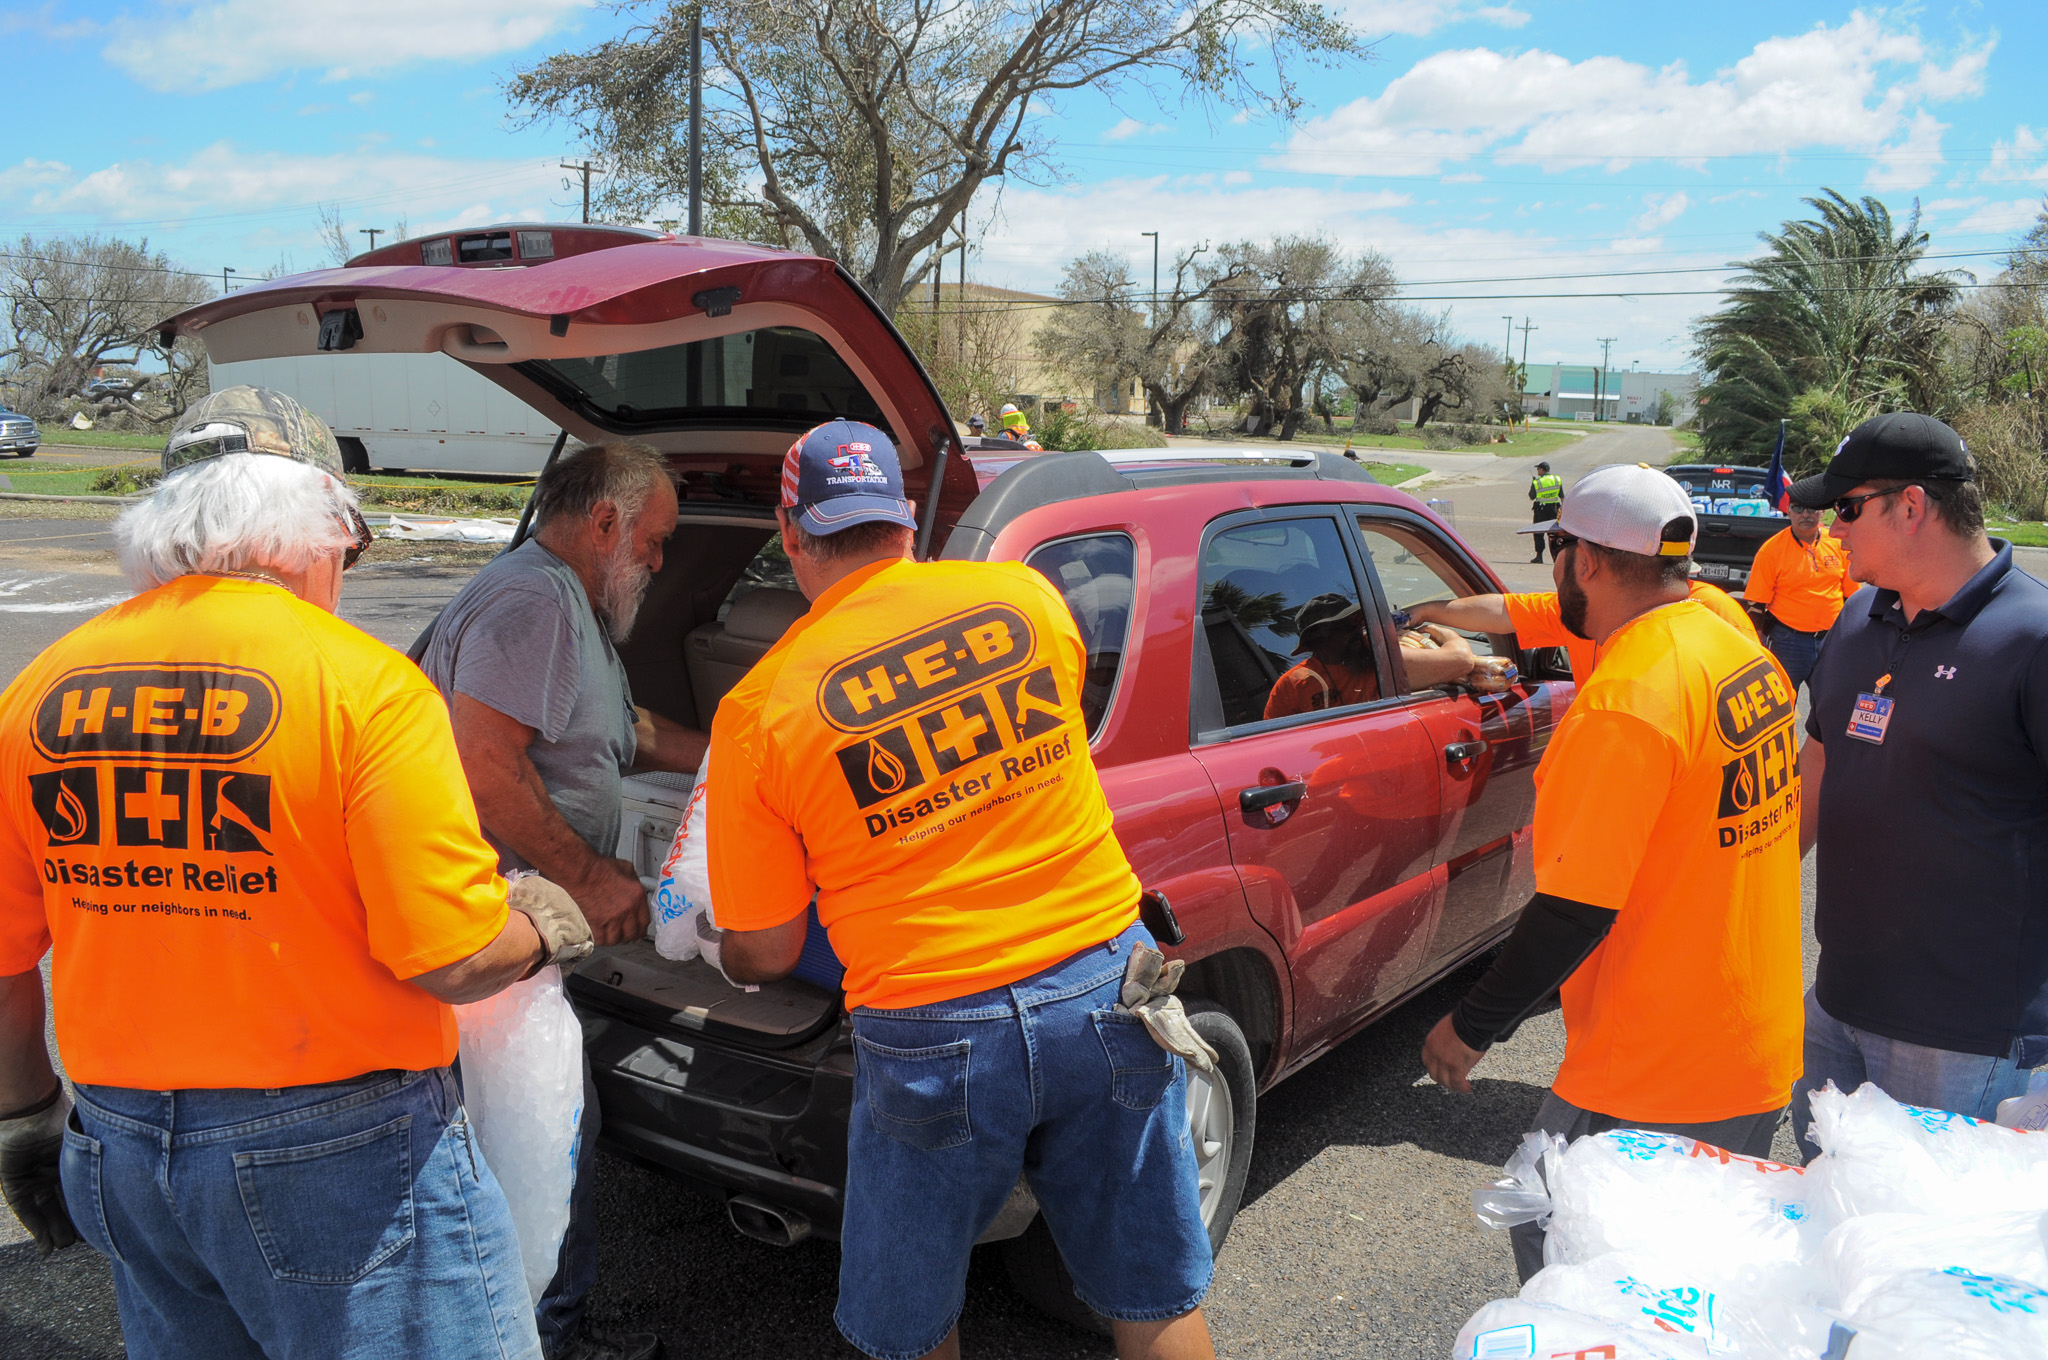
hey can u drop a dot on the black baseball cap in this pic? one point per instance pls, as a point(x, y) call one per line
point(1886, 448)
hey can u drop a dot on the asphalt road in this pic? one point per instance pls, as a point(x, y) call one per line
point(1356, 1238)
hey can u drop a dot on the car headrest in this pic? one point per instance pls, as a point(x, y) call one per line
point(765, 613)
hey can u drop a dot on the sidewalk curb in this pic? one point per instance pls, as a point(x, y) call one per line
point(87, 500)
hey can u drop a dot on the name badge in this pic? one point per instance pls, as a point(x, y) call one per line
point(1869, 718)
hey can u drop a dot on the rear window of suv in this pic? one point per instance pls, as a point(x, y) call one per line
point(781, 375)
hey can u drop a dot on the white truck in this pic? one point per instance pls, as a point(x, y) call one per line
point(395, 412)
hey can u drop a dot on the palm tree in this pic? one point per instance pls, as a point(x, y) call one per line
point(1835, 322)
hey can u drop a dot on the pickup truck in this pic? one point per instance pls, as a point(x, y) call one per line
point(1323, 866)
point(1735, 519)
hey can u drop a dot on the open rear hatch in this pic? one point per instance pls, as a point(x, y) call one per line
point(718, 353)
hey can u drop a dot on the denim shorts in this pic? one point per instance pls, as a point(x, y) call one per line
point(1042, 1078)
point(353, 1220)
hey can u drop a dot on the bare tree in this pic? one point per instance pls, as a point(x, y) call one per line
point(1104, 337)
point(1285, 311)
point(867, 126)
point(1391, 354)
point(77, 303)
point(334, 234)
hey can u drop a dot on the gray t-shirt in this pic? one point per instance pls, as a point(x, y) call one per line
point(522, 637)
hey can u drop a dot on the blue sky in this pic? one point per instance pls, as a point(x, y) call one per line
point(1526, 140)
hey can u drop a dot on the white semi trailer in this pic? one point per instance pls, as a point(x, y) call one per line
point(421, 412)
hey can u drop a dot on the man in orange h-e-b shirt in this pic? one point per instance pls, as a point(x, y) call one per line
point(1667, 856)
point(1795, 591)
point(239, 827)
point(913, 752)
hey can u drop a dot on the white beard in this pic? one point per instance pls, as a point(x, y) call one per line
point(624, 586)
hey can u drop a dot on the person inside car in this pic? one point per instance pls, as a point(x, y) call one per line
point(1339, 670)
point(546, 725)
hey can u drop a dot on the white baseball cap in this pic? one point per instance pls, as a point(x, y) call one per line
point(1629, 507)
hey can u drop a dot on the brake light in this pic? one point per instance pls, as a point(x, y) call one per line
point(1724, 471)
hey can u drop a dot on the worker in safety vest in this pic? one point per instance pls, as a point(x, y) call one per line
point(1546, 494)
point(239, 828)
point(913, 753)
point(1666, 857)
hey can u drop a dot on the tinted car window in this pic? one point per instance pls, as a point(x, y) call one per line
point(1093, 574)
point(1414, 566)
point(782, 374)
point(1256, 579)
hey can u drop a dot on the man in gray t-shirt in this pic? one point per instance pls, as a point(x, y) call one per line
point(545, 723)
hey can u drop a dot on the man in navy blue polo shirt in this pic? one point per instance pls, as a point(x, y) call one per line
point(1926, 787)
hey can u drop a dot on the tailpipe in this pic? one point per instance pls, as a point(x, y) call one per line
point(765, 1222)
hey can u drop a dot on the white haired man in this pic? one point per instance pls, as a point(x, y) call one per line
point(546, 724)
point(238, 825)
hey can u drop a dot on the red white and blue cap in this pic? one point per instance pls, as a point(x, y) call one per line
point(841, 474)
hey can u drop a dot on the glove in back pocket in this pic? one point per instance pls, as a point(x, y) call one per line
point(332, 1212)
point(918, 1096)
point(1140, 1070)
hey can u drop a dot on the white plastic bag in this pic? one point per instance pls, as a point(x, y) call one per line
point(681, 905)
point(1629, 1191)
point(1515, 1329)
point(1952, 1314)
point(1864, 1254)
point(1884, 1157)
point(1647, 1293)
point(522, 1082)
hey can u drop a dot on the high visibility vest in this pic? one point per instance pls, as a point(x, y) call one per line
point(1549, 489)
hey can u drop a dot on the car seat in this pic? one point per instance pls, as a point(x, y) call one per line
point(719, 654)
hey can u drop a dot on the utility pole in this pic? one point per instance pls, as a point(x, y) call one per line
point(373, 233)
point(1606, 345)
point(224, 272)
point(1524, 328)
point(960, 301)
point(584, 170)
point(696, 127)
point(1153, 310)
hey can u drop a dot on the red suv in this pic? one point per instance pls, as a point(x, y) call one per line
point(1324, 866)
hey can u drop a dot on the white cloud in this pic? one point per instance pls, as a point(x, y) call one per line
point(1421, 17)
point(1131, 127)
point(1999, 219)
point(271, 198)
point(1659, 211)
point(1857, 85)
point(216, 43)
point(1913, 162)
point(2010, 160)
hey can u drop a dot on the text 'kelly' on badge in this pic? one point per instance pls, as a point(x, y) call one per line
point(1869, 718)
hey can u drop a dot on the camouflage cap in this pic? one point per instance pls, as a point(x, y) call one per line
point(251, 420)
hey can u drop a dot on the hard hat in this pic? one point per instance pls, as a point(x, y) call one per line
point(1009, 409)
point(247, 419)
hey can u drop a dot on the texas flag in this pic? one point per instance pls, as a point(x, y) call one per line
point(1777, 486)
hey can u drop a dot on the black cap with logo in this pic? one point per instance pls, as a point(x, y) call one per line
point(1888, 448)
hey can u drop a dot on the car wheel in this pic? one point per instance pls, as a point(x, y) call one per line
point(1222, 1118)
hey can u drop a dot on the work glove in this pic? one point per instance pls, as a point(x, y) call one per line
point(1149, 981)
point(30, 1148)
point(564, 934)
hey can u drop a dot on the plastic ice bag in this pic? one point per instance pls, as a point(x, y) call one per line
point(1515, 1329)
point(1522, 1195)
point(1954, 1314)
point(1628, 1190)
point(1884, 1157)
point(681, 904)
point(1650, 1294)
point(1864, 1254)
point(522, 1082)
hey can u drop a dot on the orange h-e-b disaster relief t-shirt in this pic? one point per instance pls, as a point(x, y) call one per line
point(242, 824)
point(913, 750)
point(1538, 621)
point(1670, 795)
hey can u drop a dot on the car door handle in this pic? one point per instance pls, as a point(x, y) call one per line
point(1267, 805)
point(1461, 754)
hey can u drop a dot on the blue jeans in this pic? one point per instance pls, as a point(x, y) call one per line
point(1044, 1078)
point(1796, 652)
point(559, 1314)
point(1933, 1078)
point(353, 1219)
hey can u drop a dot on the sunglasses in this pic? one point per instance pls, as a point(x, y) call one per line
point(1560, 540)
point(363, 538)
point(1849, 509)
